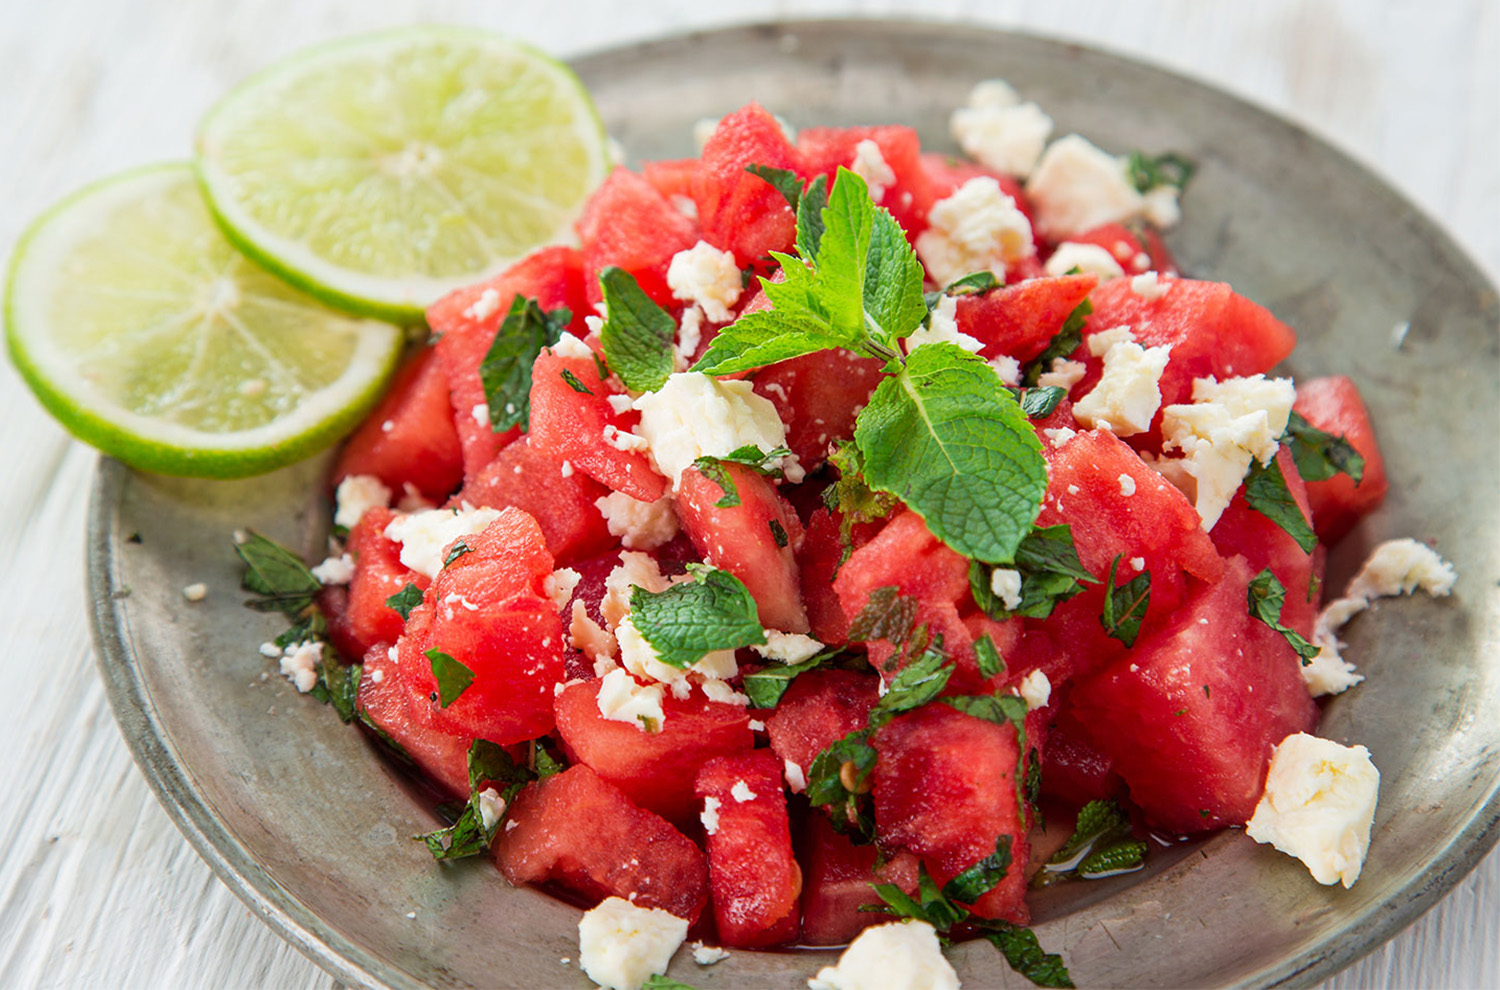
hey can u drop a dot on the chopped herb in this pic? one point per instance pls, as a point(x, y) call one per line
point(1064, 342)
point(468, 835)
point(1125, 606)
point(766, 686)
point(778, 533)
point(1041, 401)
point(810, 219)
point(1319, 455)
point(1266, 492)
point(839, 776)
point(458, 549)
point(659, 981)
point(979, 879)
point(787, 182)
point(638, 335)
point(453, 678)
point(1171, 169)
point(987, 657)
point(689, 620)
point(277, 575)
point(974, 283)
point(749, 456)
point(1101, 845)
point(1050, 571)
point(575, 384)
point(1025, 955)
point(338, 685)
point(403, 601)
point(544, 762)
point(1266, 596)
point(506, 369)
point(917, 683)
point(854, 501)
point(887, 615)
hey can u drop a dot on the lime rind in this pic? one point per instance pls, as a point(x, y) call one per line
point(408, 131)
point(74, 301)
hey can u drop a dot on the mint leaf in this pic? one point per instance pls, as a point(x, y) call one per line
point(946, 438)
point(1266, 597)
point(468, 836)
point(1123, 856)
point(453, 678)
point(765, 687)
point(1041, 401)
point(920, 681)
point(338, 684)
point(1101, 845)
point(1170, 169)
point(575, 384)
point(787, 182)
point(456, 551)
point(853, 500)
point(779, 534)
point(506, 368)
point(1266, 492)
point(810, 218)
point(839, 776)
point(1050, 573)
point(659, 981)
point(1096, 820)
point(277, 575)
point(688, 620)
point(974, 283)
point(1001, 709)
point(930, 905)
point(887, 615)
point(1021, 949)
point(979, 879)
point(766, 337)
point(987, 657)
point(403, 601)
point(638, 334)
point(1319, 455)
point(1063, 343)
point(1125, 606)
point(750, 456)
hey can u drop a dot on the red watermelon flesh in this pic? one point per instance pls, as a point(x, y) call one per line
point(1191, 714)
point(1135, 252)
point(465, 322)
point(818, 709)
point(818, 396)
point(818, 562)
point(582, 834)
point(1020, 320)
point(740, 211)
point(1245, 532)
point(410, 438)
point(559, 497)
point(1333, 405)
point(1074, 770)
point(753, 877)
point(386, 697)
point(909, 198)
point(673, 177)
point(945, 789)
point(629, 224)
point(837, 883)
point(378, 574)
point(654, 769)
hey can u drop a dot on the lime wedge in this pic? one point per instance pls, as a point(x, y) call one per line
point(149, 336)
point(382, 172)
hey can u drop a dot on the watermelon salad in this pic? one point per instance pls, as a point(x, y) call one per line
point(776, 561)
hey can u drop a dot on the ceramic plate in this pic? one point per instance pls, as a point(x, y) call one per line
point(295, 812)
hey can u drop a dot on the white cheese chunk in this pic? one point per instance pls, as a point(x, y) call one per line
point(788, 647)
point(1318, 805)
point(707, 955)
point(1005, 584)
point(1087, 258)
point(999, 131)
point(1035, 690)
point(695, 416)
point(942, 327)
point(709, 816)
point(300, 664)
point(639, 525)
point(1076, 187)
point(623, 699)
point(1159, 206)
point(199, 591)
point(569, 346)
point(1128, 393)
point(978, 228)
point(424, 536)
point(1063, 374)
point(484, 307)
point(620, 945)
point(491, 807)
point(1149, 286)
point(901, 955)
point(869, 164)
point(635, 570)
point(335, 570)
point(357, 494)
point(741, 792)
point(591, 639)
point(640, 658)
point(560, 584)
point(707, 277)
point(795, 778)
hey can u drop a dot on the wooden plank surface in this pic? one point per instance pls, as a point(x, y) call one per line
point(97, 888)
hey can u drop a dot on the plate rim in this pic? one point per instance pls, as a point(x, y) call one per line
point(344, 958)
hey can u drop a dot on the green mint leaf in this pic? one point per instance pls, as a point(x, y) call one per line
point(1021, 949)
point(987, 657)
point(749, 456)
point(405, 600)
point(1001, 709)
point(340, 684)
point(1031, 786)
point(1319, 455)
point(456, 551)
point(920, 681)
point(1170, 169)
point(1063, 343)
point(464, 838)
point(688, 620)
point(277, 575)
point(974, 283)
point(713, 469)
point(853, 500)
point(946, 438)
point(1096, 820)
point(309, 625)
point(1041, 401)
point(779, 534)
point(1124, 856)
point(658, 981)
point(810, 218)
point(575, 384)
point(489, 763)
point(1050, 573)
point(638, 334)
point(979, 879)
point(898, 903)
point(468, 836)
point(1125, 606)
point(1267, 493)
point(787, 182)
point(887, 615)
point(1266, 597)
point(839, 777)
point(765, 687)
point(453, 678)
point(506, 368)
point(766, 337)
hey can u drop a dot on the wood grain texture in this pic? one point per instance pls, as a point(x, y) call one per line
point(97, 888)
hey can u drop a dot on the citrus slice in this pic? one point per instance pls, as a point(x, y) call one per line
point(149, 336)
point(382, 172)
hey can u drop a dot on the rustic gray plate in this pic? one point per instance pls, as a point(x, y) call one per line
point(296, 814)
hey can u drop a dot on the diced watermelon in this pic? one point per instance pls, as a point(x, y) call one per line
point(1073, 769)
point(740, 211)
point(465, 322)
point(1334, 406)
point(558, 497)
point(410, 438)
point(1020, 320)
point(654, 769)
point(818, 709)
point(387, 699)
point(818, 563)
point(946, 789)
point(582, 834)
point(1191, 713)
point(753, 877)
point(367, 620)
point(755, 540)
point(1242, 530)
point(487, 610)
point(672, 177)
point(629, 224)
point(908, 198)
point(837, 883)
point(818, 396)
point(570, 425)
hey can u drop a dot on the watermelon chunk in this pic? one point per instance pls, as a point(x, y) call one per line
point(818, 709)
point(410, 438)
point(818, 396)
point(753, 876)
point(837, 883)
point(558, 497)
point(1333, 405)
point(1020, 320)
point(366, 620)
point(818, 563)
point(582, 834)
point(1242, 530)
point(740, 211)
point(1073, 769)
point(909, 198)
point(629, 224)
point(387, 699)
point(655, 770)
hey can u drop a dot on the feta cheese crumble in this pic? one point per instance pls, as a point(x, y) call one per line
point(1000, 131)
point(1063, 374)
point(942, 327)
point(1318, 806)
point(591, 639)
point(707, 277)
point(1035, 690)
point(639, 525)
point(1127, 485)
point(788, 648)
point(978, 228)
point(300, 664)
point(335, 570)
point(707, 955)
point(1128, 394)
point(709, 816)
point(559, 586)
point(356, 495)
point(198, 592)
point(695, 416)
point(621, 945)
point(623, 699)
point(1076, 187)
point(640, 658)
point(569, 346)
point(901, 955)
point(491, 807)
point(741, 792)
point(1087, 258)
point(424, 536)
point(869, 164)
point(1149, 287)
point(795, 778)
point(1005, 584)
point(484, 307)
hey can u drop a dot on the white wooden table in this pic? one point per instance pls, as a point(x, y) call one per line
point(96, 886)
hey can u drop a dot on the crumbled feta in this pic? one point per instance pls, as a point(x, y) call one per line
point(1064, 374)
point(424, 536)
point(623, 699)
point(1139, 563)
point(300, 664)
point(198, 592)
point(484, 307)
point(624, 440)
point(756, 725)
point(1318, 805)
point(689, 336)
point(376, 676)
point(1008, 368)
point(707, 955)
point(709, 816)
point(942, 327)
point(978, 228)
point(795, 778)
point(695, 416)
point(1076, 187)
point(788, 647)
point(270, 651)
point(491, 807)
point(1159, 206)
point(741, 792)
point(1149, 286)
point(1128, 394)
point(1127, 485)
point(723, 693)
point(1005, 584)
point(481, 415)
point(559, 586)
point(569, 346)
point(869, 164)
point(620, 945)
point(619, 403)
point(1087, 258)
point(635, 570)
point(1060, 435)
point(335, 570)
point(705, 276)
point(639, 525)
point(355, 495)
point(1000, 131)
point(1036, 690)
point(901, 955)
point(640, 658)
point(1228, 425)
point(591, 639)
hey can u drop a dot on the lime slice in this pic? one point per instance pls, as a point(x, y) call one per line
point(149, 336)
point(382, 172)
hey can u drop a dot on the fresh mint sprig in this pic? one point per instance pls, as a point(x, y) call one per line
point(505, 371)
point(468, 835)
point(1320, 455)
point(637, 335)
